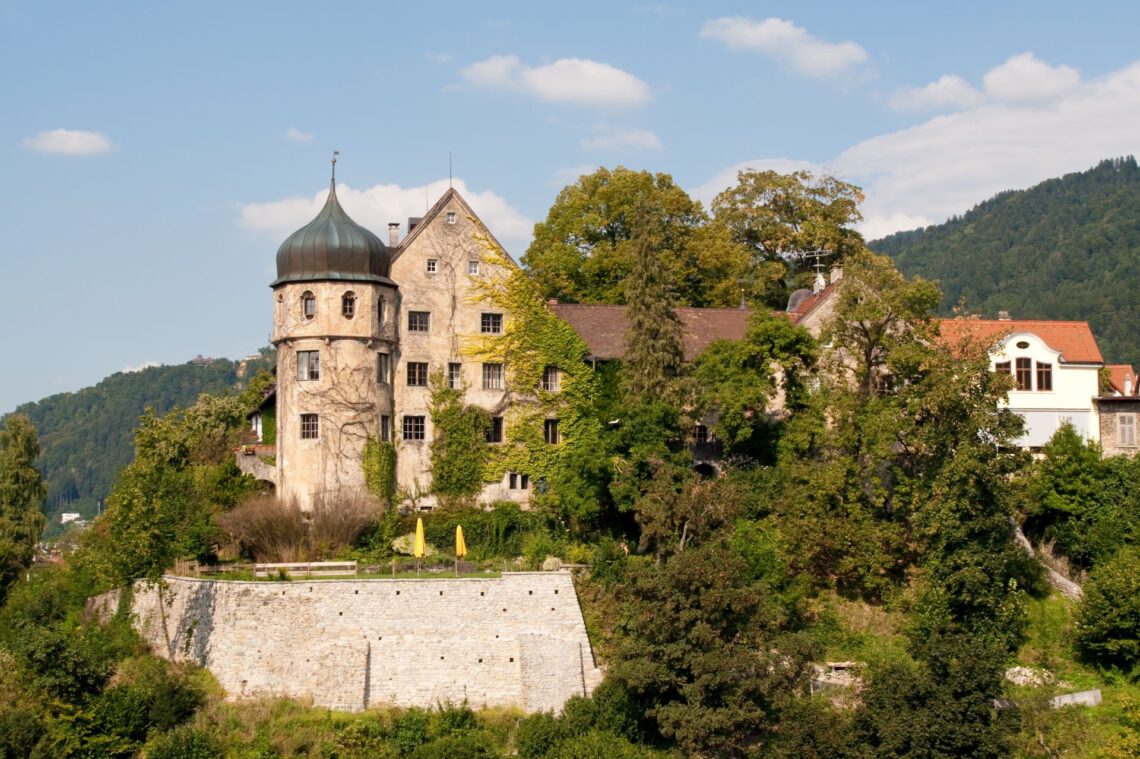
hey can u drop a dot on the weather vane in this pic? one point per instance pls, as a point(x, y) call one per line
point(335, 154)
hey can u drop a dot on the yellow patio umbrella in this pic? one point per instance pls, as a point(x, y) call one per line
point(419, 548)
point(460, 547)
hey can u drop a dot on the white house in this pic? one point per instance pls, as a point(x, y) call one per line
point(1056, 367)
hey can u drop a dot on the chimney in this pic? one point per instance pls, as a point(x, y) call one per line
point(836, 273)
point(819, 282)
point(393, 234)
point(1003, 316)
point(1127, 384)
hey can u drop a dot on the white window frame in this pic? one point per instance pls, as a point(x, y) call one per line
point(473, 268)
point(432, 265)
point(308, 366)
point(492, 376)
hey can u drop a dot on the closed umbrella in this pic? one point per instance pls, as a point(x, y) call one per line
point(460, 547)
point(419, 549)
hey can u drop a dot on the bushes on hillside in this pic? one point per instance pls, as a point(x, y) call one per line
point(1108, 618)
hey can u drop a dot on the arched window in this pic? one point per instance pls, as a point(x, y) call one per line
point(348, 304)
point(308, 304)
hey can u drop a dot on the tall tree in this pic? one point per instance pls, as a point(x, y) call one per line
point(22, 495)
point(779, 217)
point(583, 250)
point(653, 351)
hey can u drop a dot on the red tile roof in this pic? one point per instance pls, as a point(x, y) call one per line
point(1116, 375)
point(808, 304)
point(603, 327)
point(1073, 340)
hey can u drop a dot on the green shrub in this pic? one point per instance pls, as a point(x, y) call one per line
point(536, 546)
point(496, 533)
point(578, 715)
point(1108, 618)
point(364, 738)
point(537, 734)
point(410, 730)
point(608, 562)
point(598, 744)
point(454, 720)
point(20, 730)
point(470, 745)
point(616, 712)
point(184, 742)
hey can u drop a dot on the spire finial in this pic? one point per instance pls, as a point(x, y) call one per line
point(335, 154)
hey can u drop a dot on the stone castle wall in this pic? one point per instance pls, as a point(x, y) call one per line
point(518, 640)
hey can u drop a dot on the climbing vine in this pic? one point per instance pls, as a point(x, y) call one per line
point(459, 441)
point(533, 338)
point(379, 464)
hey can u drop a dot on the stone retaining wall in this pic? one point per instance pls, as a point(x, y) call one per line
point(518, 640)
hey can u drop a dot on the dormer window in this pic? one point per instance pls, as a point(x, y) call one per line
point(348, 305)
point(308, 304)
point(451, 217)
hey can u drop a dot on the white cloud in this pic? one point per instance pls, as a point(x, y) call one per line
point(576, 81)
point(375, 206)
point(140, 367)
point(611, 138)
point(949, 92)
point(292, 134)
point(786, 43)
point(69, 142)
point(1026, 78)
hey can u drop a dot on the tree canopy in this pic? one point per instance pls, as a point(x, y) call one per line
point(22, 494)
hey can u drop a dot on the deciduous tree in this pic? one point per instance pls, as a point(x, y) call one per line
point(22, 495)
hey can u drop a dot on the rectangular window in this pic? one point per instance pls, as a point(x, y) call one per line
point(308, 365)
point(413, 428)
point(1127, 425)
point(473, 267)
point(1003, 367)
point(1024, 374)
point(491, 324)
point(385, 428)
point(495, 431)
point(492, 376)
point(524, 481)
point(451, 217)
point(550, 432)
point(432, 265)
point(454, 375)
point(310, 427)
point(380, 310)
point(1044, 376)
point(550, 379)
point(383, 368)
point(419, 321)
point(417, 374)
point(514, 481)
point(700, 434)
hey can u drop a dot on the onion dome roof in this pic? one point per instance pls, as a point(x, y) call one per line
point(332, 247)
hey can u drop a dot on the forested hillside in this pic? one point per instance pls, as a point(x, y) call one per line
point(1068, 248)
point(88, 436)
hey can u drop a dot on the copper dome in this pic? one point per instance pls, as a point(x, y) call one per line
point(332, 247)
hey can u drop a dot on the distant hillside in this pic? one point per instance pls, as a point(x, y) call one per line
point(1068, 248)
point(88, 436)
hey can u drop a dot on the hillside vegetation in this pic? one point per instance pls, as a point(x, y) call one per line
point(1068, 248)
point(87, 437)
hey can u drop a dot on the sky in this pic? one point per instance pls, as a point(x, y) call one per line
point(154, 155)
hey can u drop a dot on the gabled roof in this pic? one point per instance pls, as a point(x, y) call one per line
point(1073, 340)
point(810, 303)
point(1116, 376)
point(435, 210)
point(603, 327)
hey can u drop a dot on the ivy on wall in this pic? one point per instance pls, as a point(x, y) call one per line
point(459, 441)
point(379, 464)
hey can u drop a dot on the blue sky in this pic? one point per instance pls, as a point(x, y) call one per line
point(155, 154)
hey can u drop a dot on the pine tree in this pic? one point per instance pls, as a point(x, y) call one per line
point(653, 352)
point(22, 495)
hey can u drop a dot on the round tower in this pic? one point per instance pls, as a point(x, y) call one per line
point(334, 332)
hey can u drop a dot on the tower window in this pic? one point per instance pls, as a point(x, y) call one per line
point(472, 267)
point(308, 365)
point(495, 431)
point(451, 217)
point(413, 428)
point(432, 265)
point(380, 315)
point(310, 427)
point(491, 324)
point(700, 434)
point(454, 375)
point(417, 374)
point(384, 368)
point(308, 304)
point(550, 432)
point(348, 305)
point(492, 376)
point(550, 379)
point(385, 428)
point(1044, 376)
point(419, 321)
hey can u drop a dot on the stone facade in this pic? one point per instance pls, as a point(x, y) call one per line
point(1119, 422)
point(518, 640)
